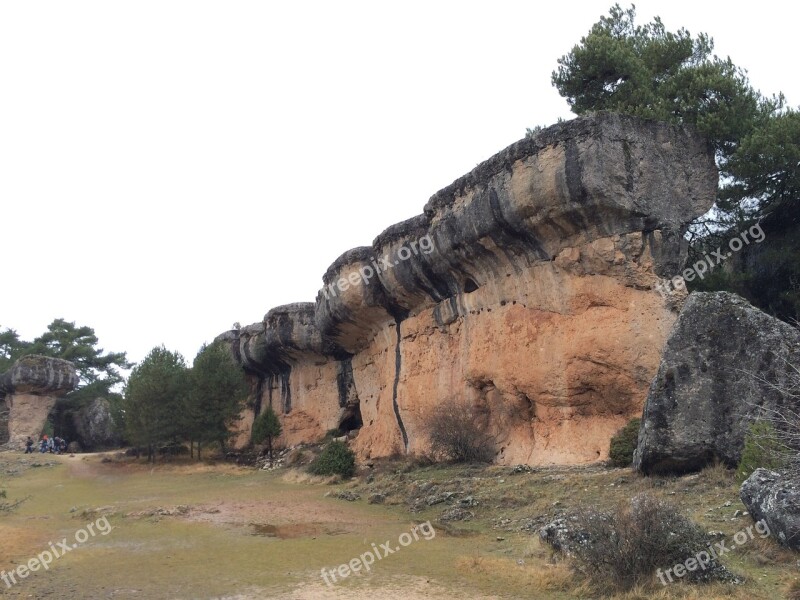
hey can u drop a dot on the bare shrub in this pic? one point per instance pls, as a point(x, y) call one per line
point(455, 434)
point(774, 437)
point(623, 548)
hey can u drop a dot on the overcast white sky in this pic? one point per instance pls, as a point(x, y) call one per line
point(168, 168)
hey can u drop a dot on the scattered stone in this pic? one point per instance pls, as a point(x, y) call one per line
point(457, 514)
point(344, 495)
point(179, 510)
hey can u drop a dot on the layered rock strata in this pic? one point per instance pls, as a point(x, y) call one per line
point(30, 390)
point(524, 291)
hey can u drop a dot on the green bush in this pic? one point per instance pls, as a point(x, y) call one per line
point(335, 459)
point(762, 448)
point(623, 444)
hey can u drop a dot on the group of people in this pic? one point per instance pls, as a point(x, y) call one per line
point(53, 445)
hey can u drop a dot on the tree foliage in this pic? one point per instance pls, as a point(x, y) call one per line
point(623, 444)
point(335, 459)
point(154, 397)
point(167, 402)
point(100, 372)
point(647, 71)
point(216, 396)
point(97, 369)
point(266, 427)
point(766, 165)
point(763, 448)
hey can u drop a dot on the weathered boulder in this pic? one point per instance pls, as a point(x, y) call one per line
point(31, 388)
point(722, 367)
point(774, 498)
point(40, 375)
point(526, 288)
point(94, 425)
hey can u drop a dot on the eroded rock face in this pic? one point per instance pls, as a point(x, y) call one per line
point(41, 376)
point(31, 388)
point(525, 288)
point(723, 365)
point(94, 425)
point(775, 498)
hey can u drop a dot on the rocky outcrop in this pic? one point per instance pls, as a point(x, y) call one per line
point(526, 288)
point(31, 388)
point(94, 425)
point(724, 365)
point(775, 499)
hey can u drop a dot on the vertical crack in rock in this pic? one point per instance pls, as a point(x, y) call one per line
point(573, 170)
point(344, 379)
point(397, 364)
point(350, 418)
point(286, 392)
point(269, 390)
point(259, 393)
point(4, 414)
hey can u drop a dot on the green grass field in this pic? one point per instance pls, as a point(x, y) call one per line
point(189, 530)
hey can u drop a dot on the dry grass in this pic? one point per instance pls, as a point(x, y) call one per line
point(683, 591)
point(213, 551)
point(766, 551)
point(717, 475)
point(301, 476)
point(552, 578)
point(793, 590)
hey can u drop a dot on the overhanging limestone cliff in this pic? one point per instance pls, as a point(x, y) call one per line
point(526, 289)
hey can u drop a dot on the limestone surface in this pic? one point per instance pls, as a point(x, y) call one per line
point(724, 366)
point(525, 290)
point(30, 389)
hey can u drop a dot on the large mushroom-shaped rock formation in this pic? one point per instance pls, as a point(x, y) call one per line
point(31, 387)
point(724, 365)
point(526, 289)
point(774, 498)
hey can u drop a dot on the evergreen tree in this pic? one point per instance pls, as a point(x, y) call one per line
point(217, 393)
point(154, 397)
point(647, 71)
point(267, 427)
